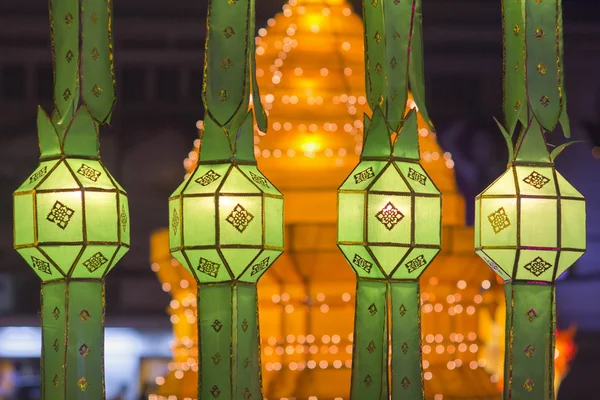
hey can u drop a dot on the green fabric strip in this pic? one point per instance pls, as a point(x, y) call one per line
point(564, 117)
point(64, 25)
point(543, 61)
point(73, 340)
point(530, 326)
point(514, 61)
point(369, 358)
point(407, 379)
point(398, 33)
point(259, 111)
point(226, 79)
point(247, 344)
point(375, 59)
point(417, 66)
point(98, 86)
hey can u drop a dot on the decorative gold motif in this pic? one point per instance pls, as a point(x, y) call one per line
point(245, 325)
point(260, 266)
point(531, 315)
point(378, 68)
point(389, 216)
point(240, 218)
point(82, 383)
point(364, 175)
point(41, 265)
point(368, 381)
point(539, 34)
point(538, 266)
point(403, 310)
point(377, 37)
point(56, 313)
point(393, 62)
point(95, 53)
point(209, 177)
point(37, 175)
point(517, 105)
point(517, 66)
point(60, 215)
point(216, 358)
point(55, 380)
point(89, 172)
point(415, 264)
point(375, 3)
point(247, 363)
point(94, 18)
point(228, 32)
point(404, 347)
point(95, 262)
point(499, 220)
point(175, 222)
point(123, 218)
point(536, 180)
point(517, 30)
point(417, 176)
point(69, 19)
point(405, 382)
point(529, 351)
point(529, 384)
point(84, 315)
point(380, 99)
point(97, 90)
point(223, 95)
point(67, 94)
point(260, 180)
point(84, 350)
point(544, 100)
point(69, 56)
point(217, 325)
point(215, 391)
point(208, 267)
point(541, 69)
point(371, 347)
point(363, 264)
point(55, 345)
point(226, 63)
point(246, 394)
point(372, 309)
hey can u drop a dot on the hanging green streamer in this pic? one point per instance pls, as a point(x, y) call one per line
point(64, 25)
point(398, 41)
point(98, 87)
point(226, 82)
point(514, 64)
point(375, 53)
point(564, 117)
point(259, 112)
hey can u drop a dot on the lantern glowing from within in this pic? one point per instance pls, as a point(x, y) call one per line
point(226, 218)
point(530, 223)
point(71, 217)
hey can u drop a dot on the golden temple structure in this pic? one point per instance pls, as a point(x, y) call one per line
point(310, 67)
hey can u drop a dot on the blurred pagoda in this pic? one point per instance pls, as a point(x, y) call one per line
point(310, 68)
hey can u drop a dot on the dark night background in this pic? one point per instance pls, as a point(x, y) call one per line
point(159, 61)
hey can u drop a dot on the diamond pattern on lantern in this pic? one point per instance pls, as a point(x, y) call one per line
point(389, 216)
point(545, 101)
point(517, 30)
point(228, 32)
point(539, 34)
point(364, 175)
point(404, 347)
point(60, 214)
point(33, 178)
point(215, 391)
point(89, 172)
point(208, 267)
point(41, 265)
point(403, 310)
point(417, 176)
point(393, 63)
point(82, 383)
point(69, 56)
point(123, 218)
point(378, 68)
point(226, 63)
point(247, 363)
point(209, 177)
point(363, 264)
point(541, 69)
point(67, 94)
point(538, 266)
point(216, 358)
point(536, 180)
point(240, 218)
point(84, 315)
point(55, 345)
point(244, 325)
point(175, 222)
point(259, 180)
point(368, 381)
point(377, 37)
point(529, 351)
point(97, 90)
point(529, 384)
point(69, 19)
point(371, 347)
point(373, 309)
point(94, 18)
point(531, 315)
point(95, 53)
point(55, 380)
point(499, 220)
point(217, 326)
point(246, 393)
point(56, 313)
point(256, 268)
point(84, 350)
point(405, 382)
point(415, 263)
point(95, 262)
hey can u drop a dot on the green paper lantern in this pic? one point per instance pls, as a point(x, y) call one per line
point(226, 218)
point(389, 221)
point(71, 218)
point(530, 223)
